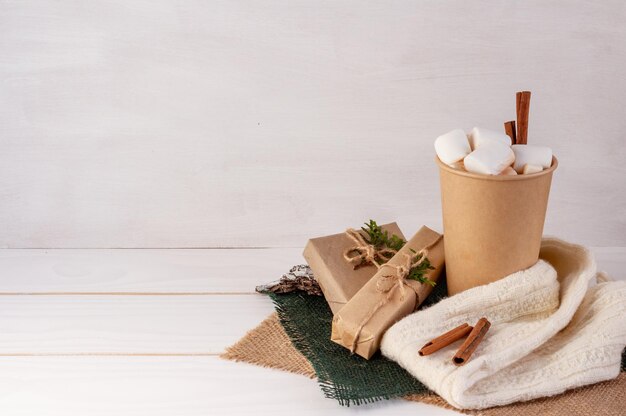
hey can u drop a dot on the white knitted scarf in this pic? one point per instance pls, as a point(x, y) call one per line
point(550, 332)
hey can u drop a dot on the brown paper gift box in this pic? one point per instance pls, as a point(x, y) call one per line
point(336, 276)
point(493, 224)
point(351, 317)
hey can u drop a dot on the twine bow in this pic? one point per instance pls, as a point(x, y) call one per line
point(366, 253)
point(399, 275)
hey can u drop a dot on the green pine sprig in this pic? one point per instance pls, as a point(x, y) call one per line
point(418, 272)
point(380, 238)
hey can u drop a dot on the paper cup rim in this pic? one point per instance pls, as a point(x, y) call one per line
point(450, 169)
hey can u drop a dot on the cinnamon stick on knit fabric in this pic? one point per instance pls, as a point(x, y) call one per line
point(523, 107)
point(471, 343)
point(509, 129)
point(446, 339)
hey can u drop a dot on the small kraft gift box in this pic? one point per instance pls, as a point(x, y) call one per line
point(393, 292)
point(337, 266)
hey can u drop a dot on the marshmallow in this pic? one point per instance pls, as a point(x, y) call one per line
point(509, 171)
point(452, 146)
point(528, 169)
point(479, 137)
point(490, 159)
point(531, 155)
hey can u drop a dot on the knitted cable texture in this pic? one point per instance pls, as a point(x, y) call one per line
point(550, 332)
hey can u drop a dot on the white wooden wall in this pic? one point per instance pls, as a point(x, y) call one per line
point(162, 123)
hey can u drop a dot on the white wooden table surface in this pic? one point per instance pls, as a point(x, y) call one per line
point(138, 332)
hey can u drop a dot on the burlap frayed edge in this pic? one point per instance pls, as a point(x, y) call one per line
point(251, 346)
point(435, 400)
point(261, 345)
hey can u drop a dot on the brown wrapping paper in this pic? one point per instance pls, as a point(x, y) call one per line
point(493, 224)
point(336, 276)
point(354, 315)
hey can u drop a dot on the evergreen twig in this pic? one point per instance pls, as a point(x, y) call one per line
point(380, 238)
point(418, 272)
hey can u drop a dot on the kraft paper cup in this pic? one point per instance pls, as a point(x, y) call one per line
point(492, 224)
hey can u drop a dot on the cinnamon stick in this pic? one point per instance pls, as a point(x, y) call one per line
point(471, 343)
point(446, 339)
point(509, 129)
point(523, 99)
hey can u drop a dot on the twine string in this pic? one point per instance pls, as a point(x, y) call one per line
point(366, 253)
point(399, 274)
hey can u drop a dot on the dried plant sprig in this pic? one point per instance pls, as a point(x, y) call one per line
point(299, 278)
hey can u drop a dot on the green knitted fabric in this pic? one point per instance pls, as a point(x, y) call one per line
point(350, 379)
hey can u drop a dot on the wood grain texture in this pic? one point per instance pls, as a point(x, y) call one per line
point(142, 271)
point(132, 386)
point(203, 124)
point(132, 325)
point(194, 325)
point(99, 271)
point(204, 321)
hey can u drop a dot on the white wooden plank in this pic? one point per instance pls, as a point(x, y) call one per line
point(192, 124)
point(127, 324)
point(133, 386)
point(157, 270)
point(171, 271)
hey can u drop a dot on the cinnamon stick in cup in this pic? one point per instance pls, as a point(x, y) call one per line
point(471, 343)
point(523, 108)
point(446, 339)
point(509, 129)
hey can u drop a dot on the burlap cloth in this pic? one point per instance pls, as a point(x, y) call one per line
point(268, 345)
